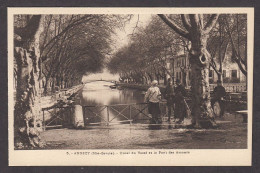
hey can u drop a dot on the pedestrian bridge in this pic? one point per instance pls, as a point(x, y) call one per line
point(111, 81)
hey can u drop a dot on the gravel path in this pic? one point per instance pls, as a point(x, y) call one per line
point(229, 134)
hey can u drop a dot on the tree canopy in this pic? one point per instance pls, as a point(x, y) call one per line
point(73, 45)
point(147, 51)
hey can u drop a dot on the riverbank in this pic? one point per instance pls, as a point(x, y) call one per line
point(64, 94)
point(49, 104)
point(141, 87)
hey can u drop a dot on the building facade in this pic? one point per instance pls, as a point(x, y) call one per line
point(180, 67)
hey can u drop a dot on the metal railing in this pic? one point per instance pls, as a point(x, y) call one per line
point(62, 116)
point(119, 113)
point(57, 116)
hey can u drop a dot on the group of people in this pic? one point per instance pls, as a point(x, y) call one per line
point(175, 101)
point(175, 96)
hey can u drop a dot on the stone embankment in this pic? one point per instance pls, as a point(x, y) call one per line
point(142, 87)
point(63, 95)
point(49, 103)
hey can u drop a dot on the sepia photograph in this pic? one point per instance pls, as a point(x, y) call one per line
point(90, 85)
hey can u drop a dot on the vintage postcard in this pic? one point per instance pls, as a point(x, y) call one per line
point(130, 86)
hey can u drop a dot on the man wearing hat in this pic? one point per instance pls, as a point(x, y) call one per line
point(153, 97)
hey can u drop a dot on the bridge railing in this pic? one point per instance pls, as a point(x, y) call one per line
point(119, 113)
point(62, 116)
point(57, 116)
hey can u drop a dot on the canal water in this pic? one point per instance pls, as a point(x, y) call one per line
point(99, 93)
point(103, 104)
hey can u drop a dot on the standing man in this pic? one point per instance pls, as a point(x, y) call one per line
point(169, 96)
point(180, 107)
point(153, 97)
point(218, 96)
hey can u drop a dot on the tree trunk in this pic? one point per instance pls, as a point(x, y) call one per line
point(202, 114)
point(220, 78)
point(165, 80)
point(27, 122)
point(46, 86)
point(61, 83)
point(150, 76)
point(57, 81)
point(53, 84)
point(158, 78)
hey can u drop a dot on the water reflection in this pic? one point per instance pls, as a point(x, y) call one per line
point(99, 94)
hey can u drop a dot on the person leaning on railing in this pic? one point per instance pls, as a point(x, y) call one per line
point(153, 97)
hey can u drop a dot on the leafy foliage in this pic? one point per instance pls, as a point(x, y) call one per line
point(147, 52)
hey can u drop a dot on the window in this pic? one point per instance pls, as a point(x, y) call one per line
point(210, 73)
point(178, 75)
point(234, 74)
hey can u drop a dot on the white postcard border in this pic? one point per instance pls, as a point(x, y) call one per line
point(196, 157)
